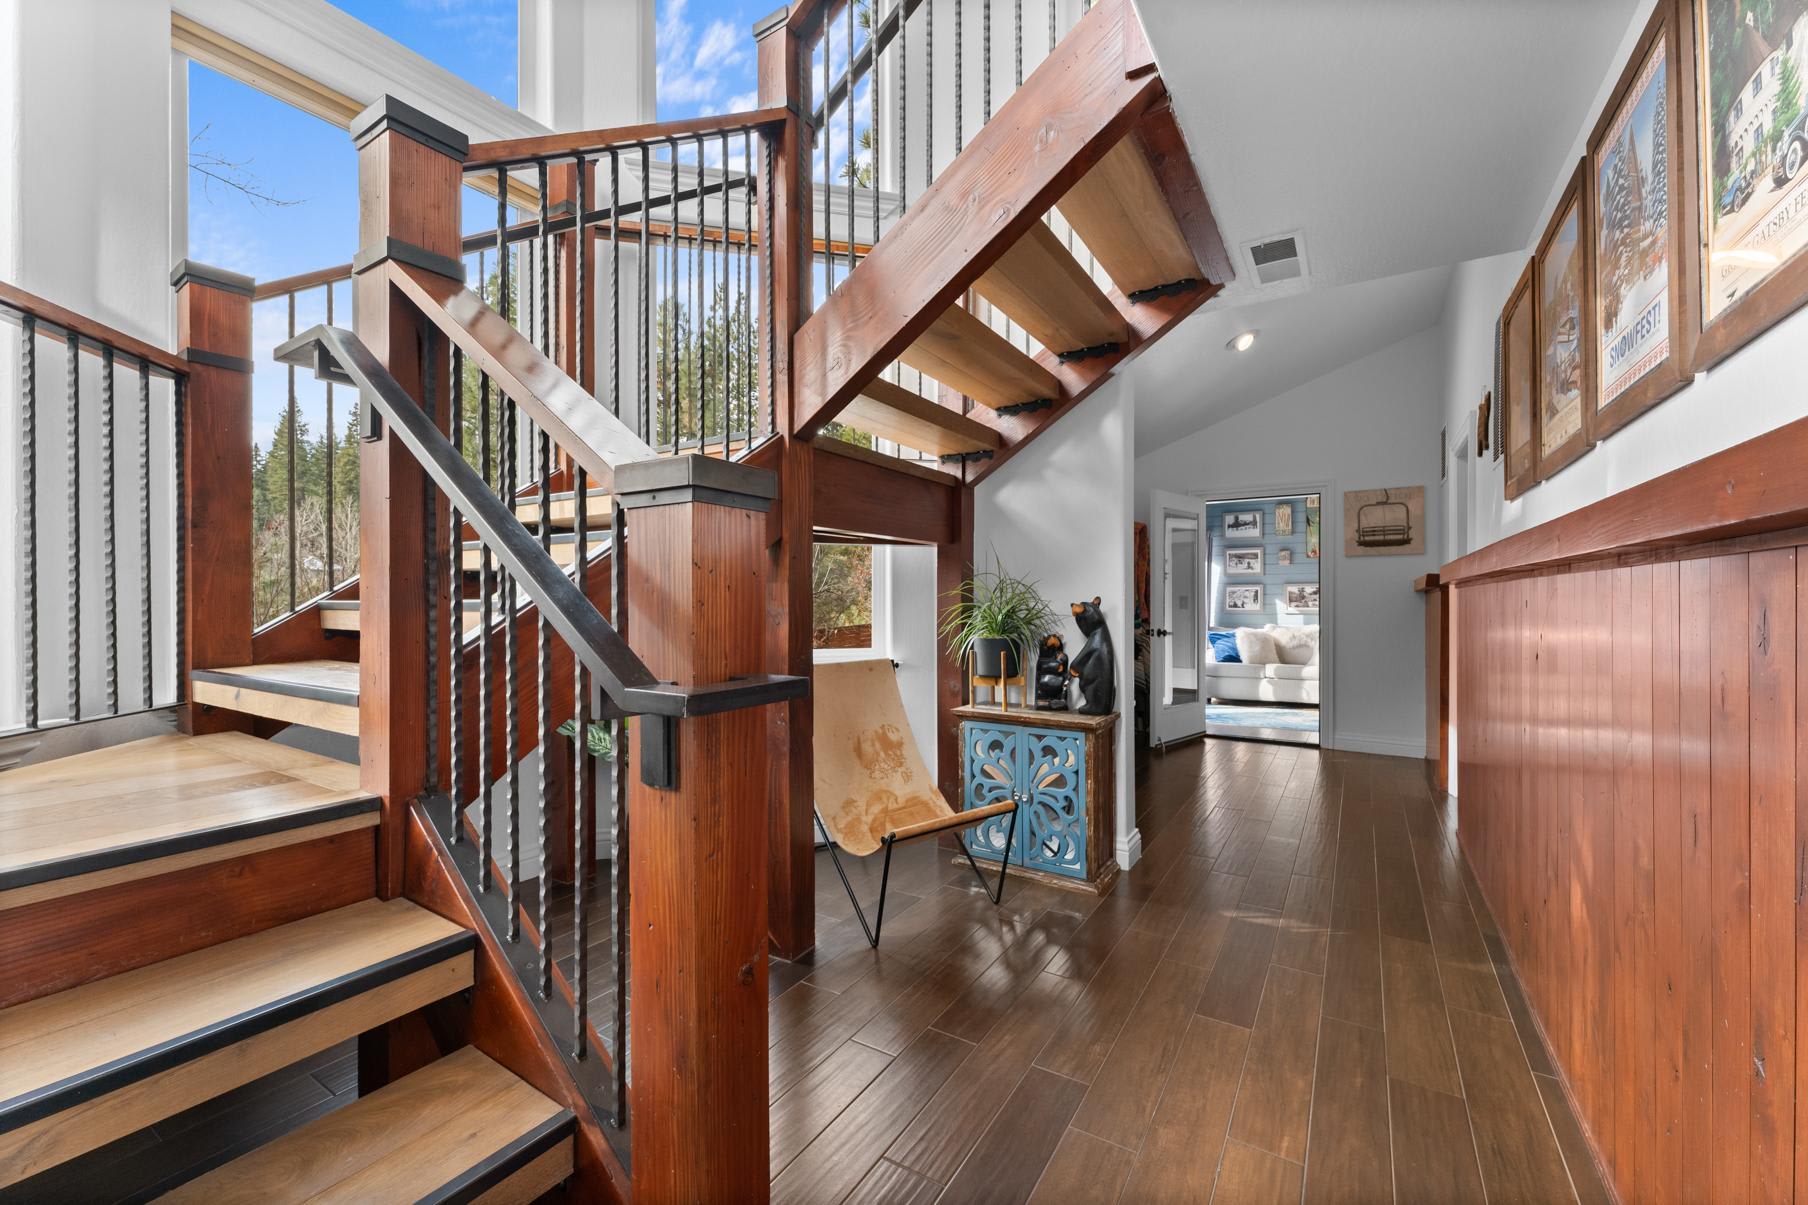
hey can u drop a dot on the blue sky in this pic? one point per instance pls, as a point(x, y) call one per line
point(705, 56)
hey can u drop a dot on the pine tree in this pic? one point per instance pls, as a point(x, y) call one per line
point(1789, 102)
point(1617, 246)
point(1657, 189)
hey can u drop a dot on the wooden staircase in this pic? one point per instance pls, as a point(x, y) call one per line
point(182, 915)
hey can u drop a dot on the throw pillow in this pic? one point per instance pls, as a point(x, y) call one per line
point(1223, 646)
point(1295, 646)
point(1255, 646)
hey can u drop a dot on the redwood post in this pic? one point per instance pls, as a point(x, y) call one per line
point(953, 565)
point(213, 332)
point(693, 554)
point(408, 201)
point(792, 886)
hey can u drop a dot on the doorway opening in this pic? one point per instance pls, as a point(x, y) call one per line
point(1234, 596)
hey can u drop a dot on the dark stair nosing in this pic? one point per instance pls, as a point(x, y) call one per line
point(141, 1065)
point(499, 1165)
point(596, 535)
point(278, 686)
point(180, 843)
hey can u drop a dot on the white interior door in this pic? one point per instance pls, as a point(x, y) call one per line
point(1177, 598)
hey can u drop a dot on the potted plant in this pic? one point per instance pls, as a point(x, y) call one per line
point(994, 618)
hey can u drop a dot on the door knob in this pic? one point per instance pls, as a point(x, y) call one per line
point(1162, 632)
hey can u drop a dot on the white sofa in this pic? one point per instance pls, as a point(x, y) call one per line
point(1280, 665)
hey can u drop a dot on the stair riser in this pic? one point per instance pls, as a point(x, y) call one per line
point(50, 1140)
point(314, 713)
point(113, 925)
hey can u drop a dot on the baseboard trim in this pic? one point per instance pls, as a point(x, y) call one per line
point(1130, 849)
point(1356, 742)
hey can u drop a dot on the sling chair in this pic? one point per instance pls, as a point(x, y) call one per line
point(872, 788)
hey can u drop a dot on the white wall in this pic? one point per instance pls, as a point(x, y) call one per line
point(1059, 513)
point(1369, 424)
point(910, 618)
point(1757, 388)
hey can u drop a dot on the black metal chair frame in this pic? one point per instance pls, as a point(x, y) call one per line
point(996, 895)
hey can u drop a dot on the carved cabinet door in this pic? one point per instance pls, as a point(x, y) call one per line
point(992, 774)
point(1051, 824)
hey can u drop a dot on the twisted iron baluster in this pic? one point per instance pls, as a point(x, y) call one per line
point(73, 468)
point(28, 490)
point(146, 629)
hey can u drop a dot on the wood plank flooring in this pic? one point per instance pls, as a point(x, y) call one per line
point(1293, 996)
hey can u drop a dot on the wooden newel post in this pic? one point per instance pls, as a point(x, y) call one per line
point(693, 554)
point(213, 331)
point(409, 169)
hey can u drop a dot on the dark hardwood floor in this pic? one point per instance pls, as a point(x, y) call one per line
point(1294, 995)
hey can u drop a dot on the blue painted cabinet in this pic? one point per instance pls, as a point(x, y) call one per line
point(1050, 765)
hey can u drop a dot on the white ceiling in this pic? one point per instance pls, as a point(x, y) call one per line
point(1190, 379)
point(1396, 135)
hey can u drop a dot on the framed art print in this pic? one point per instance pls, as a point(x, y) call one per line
point(1643, 295)
point(1747, 67)
point(1243, 562)
point(1517, 400)
point(1243, 525)
point(1563, 293)
point(1243, 598)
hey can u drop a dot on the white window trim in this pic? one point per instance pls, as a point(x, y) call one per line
point(882, 641)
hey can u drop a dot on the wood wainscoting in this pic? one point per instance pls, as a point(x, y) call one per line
point(1634, 802)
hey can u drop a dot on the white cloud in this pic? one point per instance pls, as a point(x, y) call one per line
point(700, 69)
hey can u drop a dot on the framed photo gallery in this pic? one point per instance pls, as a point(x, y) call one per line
point(1680, 237)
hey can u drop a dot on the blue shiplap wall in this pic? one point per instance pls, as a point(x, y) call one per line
point(1274, 575)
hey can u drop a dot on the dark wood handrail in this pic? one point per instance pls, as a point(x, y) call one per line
point(558, 405)
point(513, 152)
point(282, 287)
point(87, 329)
point(340, 355)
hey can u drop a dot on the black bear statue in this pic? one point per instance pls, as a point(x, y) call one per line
point(1096, 664)
point(1051, 675)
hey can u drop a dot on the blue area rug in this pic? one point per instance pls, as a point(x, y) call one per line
point(1293, 719)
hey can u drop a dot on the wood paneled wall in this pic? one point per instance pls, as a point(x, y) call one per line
point(1632, 777)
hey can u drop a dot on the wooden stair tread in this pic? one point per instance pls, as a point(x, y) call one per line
point(458, 1126)
point(964, 353)
point(153, 805)
point(343, 615)
point(319, 694)
point(896, 413)
point(1120, 212)
point(564, 549)
point(84, 1066)
point(1044, 289)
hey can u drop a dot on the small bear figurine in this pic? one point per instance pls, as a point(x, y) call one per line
point(1096, 664)
point(1051, 675)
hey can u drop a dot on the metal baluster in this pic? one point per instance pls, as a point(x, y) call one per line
point(828, 169)
point(28, 491)
point(581, 790)
point(619, 900)
point(848, 102)
point(960, 71)
point(645, 270)
point(146, 629)
point(109, 562)
point(429, 517)
point(929, 95)
point(455, 592)
point(766, 220)
point(903, 105)
point(724, 269)
point(872, 96)
point(985, 22)
point(747, 349)
point(546, 725)
point(292, 419)
point(699, 281)
point(511, 673)
point(332, 509)
point(486, 713)
point(615, 282)
point(1051, 26)
point(73, 470)
point(179, 454)
point(672, 300)
point(1017, 22)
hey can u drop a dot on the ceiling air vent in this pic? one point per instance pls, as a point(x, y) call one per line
point(1277, 259)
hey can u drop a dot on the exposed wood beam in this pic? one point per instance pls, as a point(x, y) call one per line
point(855, 495)
point(1044, 289)
point(895, 413)
point(964, 353)
point(1120, 212)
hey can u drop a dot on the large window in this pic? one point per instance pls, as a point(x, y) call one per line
point(847, 596)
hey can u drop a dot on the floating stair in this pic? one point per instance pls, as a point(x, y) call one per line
point(459, 1129)
point(1044, 289)
point(343, 615)
point(895, 413)
point(318, 694)
point(85, 1066)
point(1120, 212)
point(564, 549)
point(964, 353)
point(163, 804)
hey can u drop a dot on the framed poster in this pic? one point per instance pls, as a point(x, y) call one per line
point(1300, 599)
point(1283, 518)
point(1242, 598)
point(1563, 291)
point(1243, 562)
point(1312, 528)
point(1519, 414)
point(1747, 64)
point(1243, 525)
point(1642, 301)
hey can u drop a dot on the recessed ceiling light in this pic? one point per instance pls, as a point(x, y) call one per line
point(1242, 342)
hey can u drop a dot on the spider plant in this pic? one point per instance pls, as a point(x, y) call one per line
point(996, 615)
